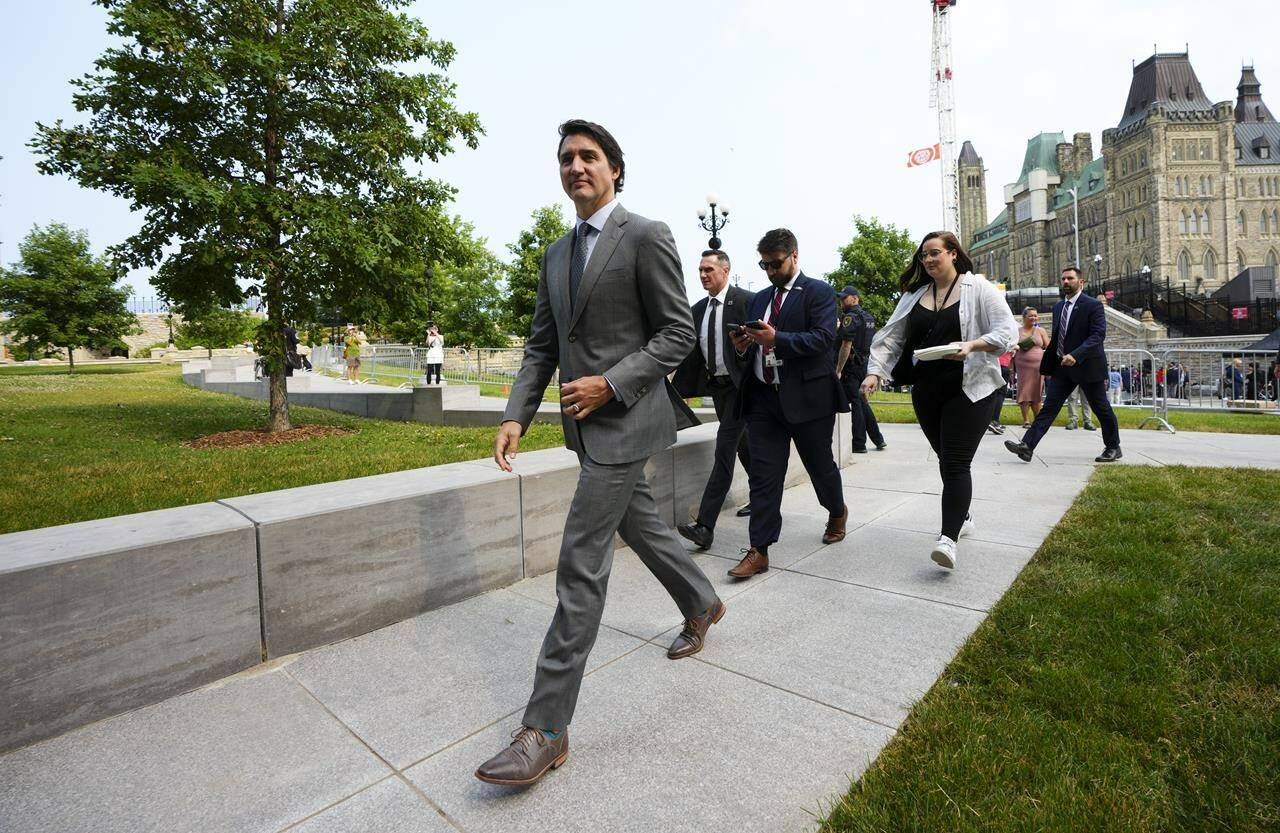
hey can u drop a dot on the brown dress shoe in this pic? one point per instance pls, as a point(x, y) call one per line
point(753, 562)
point(526, 760)
point(694, 635)
point(835, 528)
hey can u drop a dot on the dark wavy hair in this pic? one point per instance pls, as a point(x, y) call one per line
point(603, 138)
point(914, 276)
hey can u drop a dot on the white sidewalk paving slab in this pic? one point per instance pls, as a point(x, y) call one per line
point(411, 689)
point(253, 753)
point(800, 686)
point(678, 747)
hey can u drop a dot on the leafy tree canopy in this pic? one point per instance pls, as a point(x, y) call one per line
point(266, 143)
point(872, 261)
point(524, 272)
point(214, 328)
point(60, 295)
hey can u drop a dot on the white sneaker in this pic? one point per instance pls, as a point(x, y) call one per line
point(944, 553)
point(967, 527)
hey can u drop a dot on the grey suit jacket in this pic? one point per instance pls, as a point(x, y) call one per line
point(631, 325)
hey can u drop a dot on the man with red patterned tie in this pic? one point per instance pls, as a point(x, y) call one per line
point(790, 393)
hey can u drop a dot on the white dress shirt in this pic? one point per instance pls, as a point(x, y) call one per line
point(596, 221)
point(768, 319)
point(1066, 319)
point(722, 369)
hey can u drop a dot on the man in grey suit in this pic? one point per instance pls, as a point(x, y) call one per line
point(611, 313)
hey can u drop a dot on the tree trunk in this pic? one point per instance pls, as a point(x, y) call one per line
point(71, 360)
point(279, 392)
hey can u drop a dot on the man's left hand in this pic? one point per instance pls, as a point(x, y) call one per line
point(582, 396)
point(764, 337)
point(1068, 360)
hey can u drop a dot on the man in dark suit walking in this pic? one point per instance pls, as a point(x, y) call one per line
point(612, 315)
point(715, 369)
point(1074, 358)
point(790, 393)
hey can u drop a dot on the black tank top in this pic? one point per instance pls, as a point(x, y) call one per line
point(930, 328)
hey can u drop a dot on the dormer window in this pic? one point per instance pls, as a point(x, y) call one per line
point(1262, 148)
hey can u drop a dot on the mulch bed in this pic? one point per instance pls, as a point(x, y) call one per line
point(257, 437)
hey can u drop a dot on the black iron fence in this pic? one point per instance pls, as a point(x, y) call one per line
point(1189, 315)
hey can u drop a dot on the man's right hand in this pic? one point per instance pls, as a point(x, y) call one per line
point(506, 444)
point(870, 385)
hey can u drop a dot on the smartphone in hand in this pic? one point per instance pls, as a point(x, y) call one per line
point(755, 325)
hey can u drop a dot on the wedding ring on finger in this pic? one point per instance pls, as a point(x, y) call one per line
point(577, 408)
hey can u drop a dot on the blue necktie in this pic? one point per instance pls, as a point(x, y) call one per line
point(579, 263)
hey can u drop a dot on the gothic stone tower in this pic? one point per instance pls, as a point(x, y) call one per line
point(973, 193)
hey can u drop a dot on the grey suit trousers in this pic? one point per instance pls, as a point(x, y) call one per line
point(609, 498)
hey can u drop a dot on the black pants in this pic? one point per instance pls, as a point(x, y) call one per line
point(769, 436)
point(860, 413)
point(954, 426)
point(731, 438)
point(433, 368)
point(1060, 387)
point(1000, 395)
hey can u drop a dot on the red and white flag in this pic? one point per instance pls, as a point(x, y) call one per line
point(924, 156)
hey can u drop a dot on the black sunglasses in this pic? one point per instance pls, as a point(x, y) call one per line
point(775, 265)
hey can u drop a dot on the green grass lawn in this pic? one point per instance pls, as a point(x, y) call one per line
point(106, 441)
point(1129, 681)
point(1210, 421)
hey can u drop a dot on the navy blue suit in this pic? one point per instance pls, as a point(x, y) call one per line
point(1083, 339)
point(800, 407)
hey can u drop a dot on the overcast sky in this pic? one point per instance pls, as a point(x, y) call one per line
point(798, 114)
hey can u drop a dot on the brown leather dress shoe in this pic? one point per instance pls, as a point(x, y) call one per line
point(835, 528)
point(753, 562)
point(694, 635)
point(526, 760)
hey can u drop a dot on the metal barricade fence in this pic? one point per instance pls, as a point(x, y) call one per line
point(1141, 384)
point(496, 366)
point(1216, 378)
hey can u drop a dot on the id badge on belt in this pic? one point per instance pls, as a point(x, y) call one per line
point(772, 360)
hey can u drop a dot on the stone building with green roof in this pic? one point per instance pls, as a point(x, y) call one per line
point(1185, 187)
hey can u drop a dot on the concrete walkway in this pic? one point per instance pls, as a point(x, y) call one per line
point(808, 676)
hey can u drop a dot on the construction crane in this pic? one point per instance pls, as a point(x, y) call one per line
point(942, 99)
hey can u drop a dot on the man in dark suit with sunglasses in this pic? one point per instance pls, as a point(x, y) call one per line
point(790, 393)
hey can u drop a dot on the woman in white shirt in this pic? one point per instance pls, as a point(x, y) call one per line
point(435, 353)
point(944, 303)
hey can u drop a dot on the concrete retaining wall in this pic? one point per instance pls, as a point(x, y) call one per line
point(102, 617)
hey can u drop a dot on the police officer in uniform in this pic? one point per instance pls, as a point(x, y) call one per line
point(854, 330)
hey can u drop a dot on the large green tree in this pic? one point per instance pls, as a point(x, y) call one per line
point(464, 298)
point(214, 327)
point(872, 261)
point(267, 142)
point(60, 295)
point(524, 271)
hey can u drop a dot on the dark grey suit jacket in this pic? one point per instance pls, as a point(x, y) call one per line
point(631, 325)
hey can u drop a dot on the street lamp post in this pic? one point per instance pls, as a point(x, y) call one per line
point(713, 220)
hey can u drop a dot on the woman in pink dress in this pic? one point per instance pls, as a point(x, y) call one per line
point(1032, 339)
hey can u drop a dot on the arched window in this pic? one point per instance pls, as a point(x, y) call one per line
point(1242, 225)
point(1264, 224)
point(1275, 220)
point(1144, 228)
point(1240, 267)
point(1182, 223)
point(1128, 267)
point(1210, 266)
point(1272, 261)
point(1204, 189)
point(1184, 267)
point(1205, 227)
point(1210, 179)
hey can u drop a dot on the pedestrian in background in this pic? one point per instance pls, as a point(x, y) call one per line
point(1006, 360)
point(435, 352)
point(855, 328)
point(1032, 339)
point(351, 352)
point(1114, 385)
point(944, 303)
